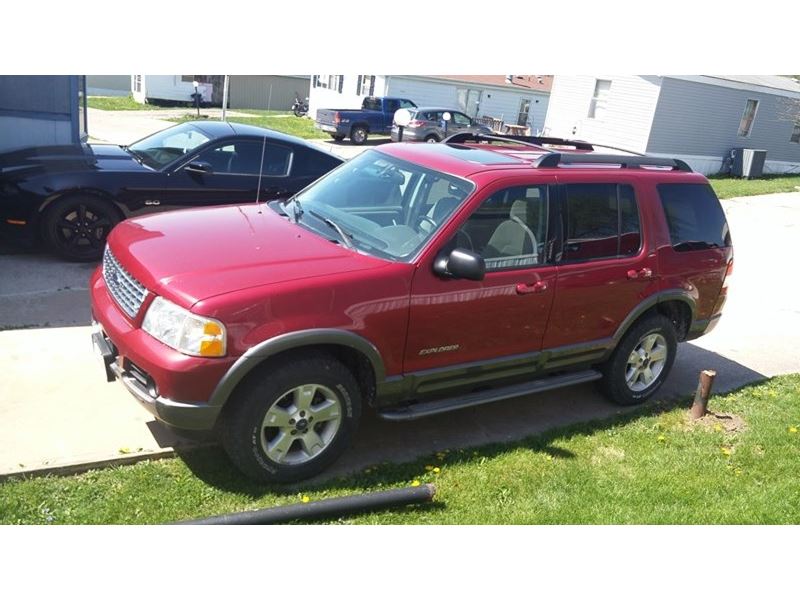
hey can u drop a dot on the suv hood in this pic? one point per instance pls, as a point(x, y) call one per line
point(192, 255)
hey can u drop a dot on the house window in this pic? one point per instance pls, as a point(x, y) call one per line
point(365, 86)
point(597, 108)
point(187, 78)
point(524, 110)
point(746, 125)
point(795, 134)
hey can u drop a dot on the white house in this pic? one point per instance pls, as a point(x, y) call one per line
point(174, 88)
point(699, 119)
point(514, 99)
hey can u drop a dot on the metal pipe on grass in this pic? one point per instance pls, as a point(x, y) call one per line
point(700, 405)
point(322, 509)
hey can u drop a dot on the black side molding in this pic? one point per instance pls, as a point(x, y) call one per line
point(435, 407)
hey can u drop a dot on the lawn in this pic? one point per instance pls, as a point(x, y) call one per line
point(650, 466)
point(118, 103)
point(732, 187)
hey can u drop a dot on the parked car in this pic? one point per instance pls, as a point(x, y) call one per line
point(428, 125)
point(374, 118)
point(72, 196)
point(413, 280)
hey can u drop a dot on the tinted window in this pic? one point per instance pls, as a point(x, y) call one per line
point(694, 216)
point(311, 162)
point(602, 221)
point(371, 103)
point(509, 229)
point(244, 158)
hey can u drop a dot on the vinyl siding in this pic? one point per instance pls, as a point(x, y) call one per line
point(630, 106)
point(269, 92)
point(701, 119)
point(495, 102)
point(108, 85)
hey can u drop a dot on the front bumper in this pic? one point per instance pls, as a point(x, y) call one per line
point(174, 387)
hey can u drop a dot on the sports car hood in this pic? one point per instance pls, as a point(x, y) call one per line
point(191, 255)
point(70, 158)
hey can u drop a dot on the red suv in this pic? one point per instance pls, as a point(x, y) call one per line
point(414, 279)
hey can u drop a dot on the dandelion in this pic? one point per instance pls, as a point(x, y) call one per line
point(792, 429)
point(305, 499)
point(726, 451)
point(549, 457)
point(436, 470)
point(717, 427)
point(738, 471)
point(662, 438)
point(429, 467)
point(415, 483)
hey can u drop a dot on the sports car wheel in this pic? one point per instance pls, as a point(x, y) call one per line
point(76, 227)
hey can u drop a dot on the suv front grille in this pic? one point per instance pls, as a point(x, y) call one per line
point(122, 286)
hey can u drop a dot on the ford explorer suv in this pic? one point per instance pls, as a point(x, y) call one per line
point(375, 118)
point(412, 280)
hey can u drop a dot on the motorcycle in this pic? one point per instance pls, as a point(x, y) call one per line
point(300, 107)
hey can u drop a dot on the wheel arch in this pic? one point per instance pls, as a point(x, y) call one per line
point(355, 351)
point(363, 124)
point(676, 304)
point(98, 193)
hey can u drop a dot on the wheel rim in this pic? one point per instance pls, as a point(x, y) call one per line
point(82, 230)
point(359, 135)
point(301, 424)
point(431, 140)
point(646, 362)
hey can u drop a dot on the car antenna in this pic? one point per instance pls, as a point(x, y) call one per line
point(260, 170)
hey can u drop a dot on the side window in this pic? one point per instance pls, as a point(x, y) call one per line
point(601, 221)
point(694, 216)
point(244, 158)
point(461, 120)
point(391, 106)
point(407, 104)
point(509, 229)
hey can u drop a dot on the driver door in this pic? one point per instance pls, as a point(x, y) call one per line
point(455, 322)
point(228, 173)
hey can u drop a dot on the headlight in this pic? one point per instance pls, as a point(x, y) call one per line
point(184, 331)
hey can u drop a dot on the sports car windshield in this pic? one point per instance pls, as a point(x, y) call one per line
point(380, 205)
point(160, 149)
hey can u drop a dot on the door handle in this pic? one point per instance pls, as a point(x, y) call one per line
point(532, 288)
point(645, 273)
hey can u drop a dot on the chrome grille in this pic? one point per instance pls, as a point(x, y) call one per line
point(123, 287)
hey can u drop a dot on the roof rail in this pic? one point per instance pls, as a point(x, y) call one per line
point(555, 159)
point(538, 142)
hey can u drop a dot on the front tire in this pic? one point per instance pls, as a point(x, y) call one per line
point(359, 135)
point(641, 361)
point(293, 420)
point(76, 227)
point(432, 139)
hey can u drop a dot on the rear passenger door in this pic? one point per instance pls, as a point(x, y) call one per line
point(605, 267)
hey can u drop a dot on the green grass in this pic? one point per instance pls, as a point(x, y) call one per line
point(118, 103)
point(732, 187)
point(651, 466)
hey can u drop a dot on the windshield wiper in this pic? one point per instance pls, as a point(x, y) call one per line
point(346, 237)
point(297, 210)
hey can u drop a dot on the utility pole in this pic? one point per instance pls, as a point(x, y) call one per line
point(225, 84)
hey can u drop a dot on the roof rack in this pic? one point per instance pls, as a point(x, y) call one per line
point(555, 159)
point(538, 142)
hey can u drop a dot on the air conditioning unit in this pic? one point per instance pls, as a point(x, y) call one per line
point(748, 162)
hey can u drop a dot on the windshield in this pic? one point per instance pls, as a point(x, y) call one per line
point(385, 206)
point(160, 149)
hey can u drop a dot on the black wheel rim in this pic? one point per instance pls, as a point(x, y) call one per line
point(82, 230)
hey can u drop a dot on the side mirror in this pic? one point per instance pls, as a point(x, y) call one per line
point(199, 166)
point(460, 264)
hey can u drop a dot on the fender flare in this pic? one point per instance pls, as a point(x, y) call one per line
point(290, 341)
point(648, 303)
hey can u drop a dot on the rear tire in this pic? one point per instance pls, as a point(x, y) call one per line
point(269, 429)
point(76, 227)
point(641, 361)
point(358, 135)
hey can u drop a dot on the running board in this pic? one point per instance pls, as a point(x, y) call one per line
point(435, 407)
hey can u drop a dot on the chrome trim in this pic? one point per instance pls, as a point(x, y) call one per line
point(126, 290)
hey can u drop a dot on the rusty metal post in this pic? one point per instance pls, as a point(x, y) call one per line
point(700, 405)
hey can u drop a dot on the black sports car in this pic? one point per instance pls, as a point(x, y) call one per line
point(71, 196)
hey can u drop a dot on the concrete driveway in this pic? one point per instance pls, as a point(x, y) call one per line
point(57, 410)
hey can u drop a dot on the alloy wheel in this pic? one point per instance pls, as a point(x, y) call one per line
point(646, 362)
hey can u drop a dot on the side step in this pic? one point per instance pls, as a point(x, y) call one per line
point(435, 407)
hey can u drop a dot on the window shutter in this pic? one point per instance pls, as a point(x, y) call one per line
point(358, 86)
point(341, 83)
point(372, 85)
point(316, 81)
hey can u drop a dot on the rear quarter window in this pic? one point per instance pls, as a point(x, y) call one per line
point(694, 216)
